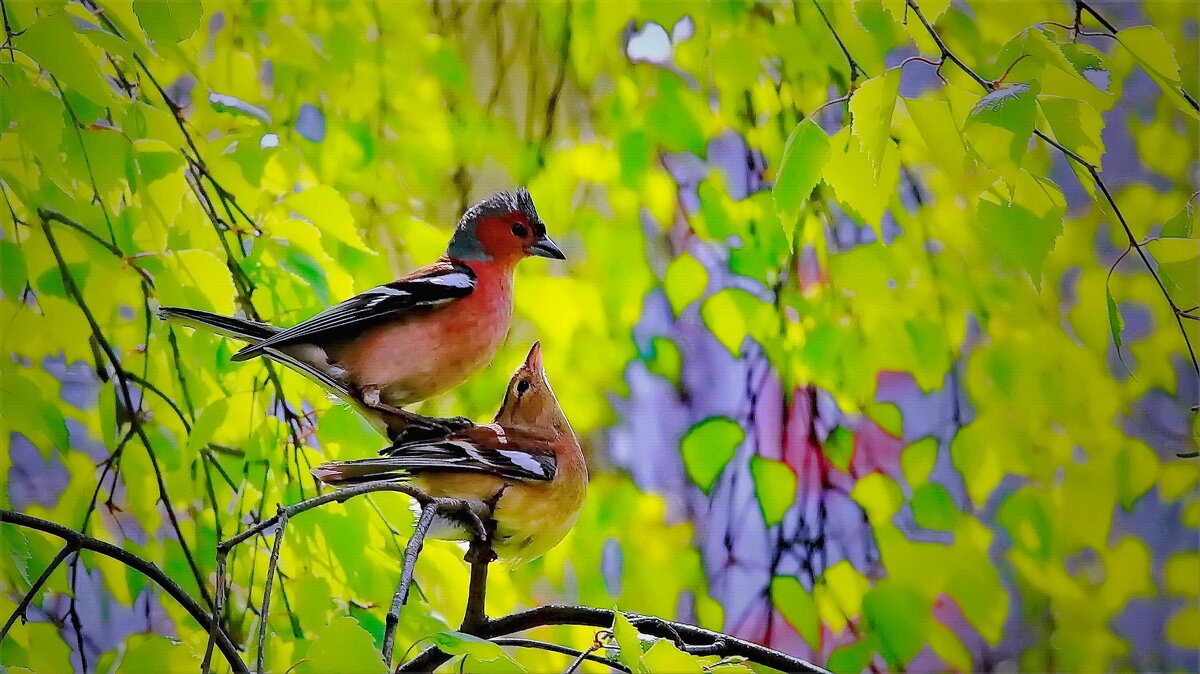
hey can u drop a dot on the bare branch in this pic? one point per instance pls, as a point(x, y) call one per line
point(406, 574)
point(542, 616)
point(146, 568)
point(580, 656)
point(37, 585)
point(272, 564)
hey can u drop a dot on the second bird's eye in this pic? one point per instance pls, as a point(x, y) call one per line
point(519, 230)
point(522, 387)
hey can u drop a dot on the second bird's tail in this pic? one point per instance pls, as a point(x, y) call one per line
point(347, 473)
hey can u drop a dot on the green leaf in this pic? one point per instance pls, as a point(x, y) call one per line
point(153, 653)
point(732, 313)
point(708, 446)
point(1179, 266)
point(1150, 48)
point(206, 424)
point(1182, 224)
point(839, 448)
point(330, 213)
point(775, 486)
point(168, 20)
point(1023, 231)
point(899, 616)
point(663, 656)
point(665, 359)
point(684, 282)
point(871, 109)
point(1076, 125)
point(52, 42)
point(342, 646)
point(798, 607)
point(918, 458)
point(1000, 124)
point(1115, 323)
point(933, 508)
point(935, 122)
point(804, 157)
point(12, 270)
point(849, 173)
point(630, 644)
point(477, 651)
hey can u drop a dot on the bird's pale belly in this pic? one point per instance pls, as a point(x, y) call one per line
point(418, 359)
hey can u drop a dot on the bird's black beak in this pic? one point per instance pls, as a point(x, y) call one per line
point(547, 248)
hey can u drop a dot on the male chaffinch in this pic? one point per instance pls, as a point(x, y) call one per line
point(527, 462)
point(415, 337)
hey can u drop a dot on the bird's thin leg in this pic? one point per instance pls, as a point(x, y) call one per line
point(405, 426)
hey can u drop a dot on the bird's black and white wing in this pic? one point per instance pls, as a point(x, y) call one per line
point(428, 288)
point(483, 449)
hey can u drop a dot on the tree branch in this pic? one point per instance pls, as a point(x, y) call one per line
point(711, 642)
point(37, 585)
point(415, 543)
point(146, 568)
point(579, 656)
point(1092, 170)
point(265, 611)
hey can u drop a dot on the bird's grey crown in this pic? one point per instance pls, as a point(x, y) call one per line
point(464, 245)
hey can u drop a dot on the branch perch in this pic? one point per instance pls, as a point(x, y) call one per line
point(703, 641)
point(146, 568)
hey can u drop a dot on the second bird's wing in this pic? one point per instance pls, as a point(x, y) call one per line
point(429, 287)
point(482, 449)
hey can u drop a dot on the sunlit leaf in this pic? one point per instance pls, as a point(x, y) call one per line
point(171, 20)
point(708, 446)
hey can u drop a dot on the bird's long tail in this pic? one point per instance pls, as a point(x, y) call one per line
point(347, 473)
point(226, 326)
point(254, 332)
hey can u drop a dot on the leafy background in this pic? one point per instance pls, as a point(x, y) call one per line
point(880, 384)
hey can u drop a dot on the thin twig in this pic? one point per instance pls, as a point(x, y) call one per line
point(542, 616)
point(579, 656)
point(415, 543)
point(1092, 170)
point(855, 69)
point(146, 568)
point(265, 611)
point(37, 585)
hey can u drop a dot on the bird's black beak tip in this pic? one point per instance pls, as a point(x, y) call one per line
point(547, 248)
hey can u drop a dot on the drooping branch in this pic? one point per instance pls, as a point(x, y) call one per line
point(474, 514)
point(146, 568)
point(705, 642)
point(1092, 169)
point(37, 585)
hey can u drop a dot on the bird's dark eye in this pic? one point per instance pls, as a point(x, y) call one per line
point(522, 387)
point(519, 230)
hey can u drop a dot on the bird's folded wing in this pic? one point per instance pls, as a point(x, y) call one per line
point(427, 288)
point(482, 449)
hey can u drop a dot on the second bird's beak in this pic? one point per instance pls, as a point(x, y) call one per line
point(534, 360)
point(546, 248)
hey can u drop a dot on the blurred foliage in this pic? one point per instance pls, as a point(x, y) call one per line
point(317, 149)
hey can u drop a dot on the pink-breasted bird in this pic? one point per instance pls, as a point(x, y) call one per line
point(527, 462)
point(415, 337)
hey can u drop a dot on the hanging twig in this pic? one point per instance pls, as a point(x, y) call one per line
point(146, 568)
point(1092, 170)
point(37, 585)
point(265, 612)
point(415, 543)
point(579, 656)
